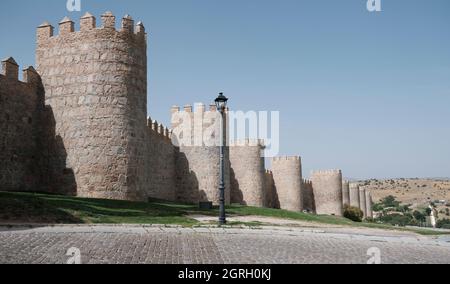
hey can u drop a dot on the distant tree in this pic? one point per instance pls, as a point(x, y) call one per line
point(419, 216)
point(397, 219)
point(403, 208)
point(390, 201)
point(428, 211)
point(377, 207)
point(443, 224)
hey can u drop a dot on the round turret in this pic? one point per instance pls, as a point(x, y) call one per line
point(327, 186)
point(287, 176)
point(247, 173)
point(95, 81)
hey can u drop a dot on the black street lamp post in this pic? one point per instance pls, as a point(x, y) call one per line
point(221, 104)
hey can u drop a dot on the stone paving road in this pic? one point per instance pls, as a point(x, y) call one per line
point(269, 245)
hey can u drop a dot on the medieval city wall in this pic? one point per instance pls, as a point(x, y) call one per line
point(160, 163)
point(354, 195)
point(345, 193)
point(369, 203)
point(79, 126)
point(327, 186)
point(309, 203)
point(271, 194)
point(95, 82)
point(196, 136)
point(287, 176)
point(21, 105)
point(247, 174)
point(362, 201)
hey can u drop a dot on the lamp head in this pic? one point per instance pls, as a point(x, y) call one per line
point(221, 102)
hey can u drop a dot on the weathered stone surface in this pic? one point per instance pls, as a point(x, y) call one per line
point(327, 187)
point(196, 135)
point(369, 212)
point(354, 195)
point(287, 175)
point(362, 201)
point(309, 203)
point(95, 82)
point(79, 126)
point(345, 193)
point(271, 194)
point(247, 173)
point(21, 107)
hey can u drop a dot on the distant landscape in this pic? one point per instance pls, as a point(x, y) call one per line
point(416, 192)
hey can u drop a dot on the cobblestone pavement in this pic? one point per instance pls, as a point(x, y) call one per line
point(149, 244)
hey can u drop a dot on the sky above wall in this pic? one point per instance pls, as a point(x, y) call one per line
point(368, 93)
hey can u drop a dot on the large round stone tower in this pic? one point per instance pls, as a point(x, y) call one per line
point(287, 176)
point(196, 135)
point(96, 86)
point(247, 175)
point(327, 186)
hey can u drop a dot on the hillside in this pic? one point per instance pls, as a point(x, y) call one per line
point(417, 192)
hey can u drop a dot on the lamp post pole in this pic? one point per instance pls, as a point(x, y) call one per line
point(221, 103)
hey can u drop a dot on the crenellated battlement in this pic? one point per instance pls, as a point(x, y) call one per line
point(90, 93)
point(286, 158)
point(248, 143)
point(22, 119)
point(10, 70)
point(197, 108)
point(88, 24)
point(159, 129)
point(326, 172)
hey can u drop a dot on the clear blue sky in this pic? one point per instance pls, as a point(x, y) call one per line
point(365, 92)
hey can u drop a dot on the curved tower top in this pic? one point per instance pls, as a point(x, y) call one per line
point(96, 86)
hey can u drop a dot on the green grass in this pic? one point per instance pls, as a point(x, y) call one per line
point(55, 209)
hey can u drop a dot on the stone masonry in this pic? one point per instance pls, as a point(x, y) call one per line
point(247, 176)
point(21, 105)
point(287, 175)
point(354, 195)
point(345, 193)
point(369, 212)
point(79, 126)
point(362, 201)
point(95, 84)
point(327, 186)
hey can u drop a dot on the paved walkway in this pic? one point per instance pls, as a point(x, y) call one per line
point(268, 245)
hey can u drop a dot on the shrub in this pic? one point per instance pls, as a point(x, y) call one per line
point(397, 220)
point(419, 216)
point(443, 224)
point(353, 213)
